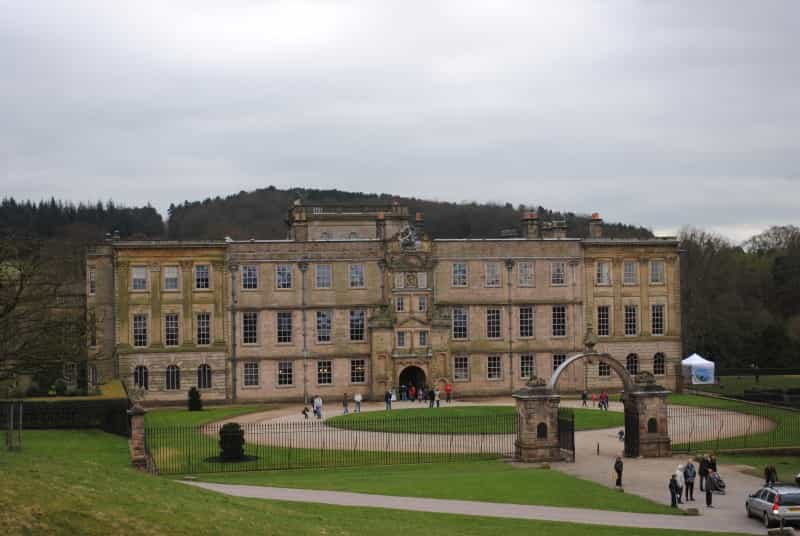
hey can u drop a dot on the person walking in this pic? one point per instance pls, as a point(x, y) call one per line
point(412, 393)
point(387, 399)
point(584, 398)
point(357, 399)
point(679, 479)
point(345, 404)
point(709, 496)
point(436, 396)
point(689, 474)
point(448, 391)
point(431, 396)
point(673, 491)
point(618, 469)
point(403, 393)
point(594, 400)
point(703, 473)
point(770, 475)
point(318, 407)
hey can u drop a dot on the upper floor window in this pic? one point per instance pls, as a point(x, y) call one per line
point(139, 278)
point(559, 321)
point(201, 277)
point(460, 323)
point(423, 338)
point(493, 323)
point(632, 364)
point(203, 328)
point(399, 280)
point(603, 273)
point(173, 382)
point(284, 326)
point(92, 282)
point(558, 274)
point(527, 366)
point(140, 330)
point(204, 377)
point(356, 276)
point(659, 364)
point(603, 321)
point(657, 272)
point(492, 270)
point(250, 327)
point(170, 278)
point(657, 319)
point(494, 370)
point(631, 320)
point(422, 304)
point(171, 329)
point(250, 277)
point(324, 322)
point(399, 304)
point(422, 279)
point(283, 276)
point(526, 274)
point(323, 276)
point(357, 323)
point(401, 339)
point(526, 321)
point(630, 273)
point(558, 360)
point(459, 274)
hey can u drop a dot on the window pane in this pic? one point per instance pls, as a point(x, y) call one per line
point(461, 368)
point(559, 321)
point(631, 320)
point(204, 377)
point(526, 366)
point(283, 276)
point(557, 273)
point(285, 373)
point(526, 275)
point(632, 363)
point(604, 369)
point(171, 329)
point(170, 278)
point(140, 330)
point(526, 321)
point(493, 367)
point(324, 372)
point(203, 328)
point(423, 338)
point(657, 271)
point(401, 339)
point(357, 323)
point(603, 324)
point(493, 323)
point(422, 304)
point(459, 274)
point(657, 318)
point(140, 378)
point(92, 282)
point(356, 276)
point(250, 327)
point(558, 360)
point(659, 364)
point(422, 279)
point(358, 369)
point(201, 279)
point(323, 276)
point(284, 326)
point(460, 322)
point(250, 277)
point(492, 274)
point(324, 326)
point(251, 374)
point(173, 378)
point(630, 274)
point(603, 273)
point(399, 304)
point(139, 278)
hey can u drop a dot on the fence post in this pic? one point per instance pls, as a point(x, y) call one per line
point(137, 440)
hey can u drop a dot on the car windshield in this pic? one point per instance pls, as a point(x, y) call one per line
point(792, 499)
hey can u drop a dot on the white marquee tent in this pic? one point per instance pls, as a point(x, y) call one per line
point(697, 370)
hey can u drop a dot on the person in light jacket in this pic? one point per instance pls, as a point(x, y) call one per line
point(357, 399)
point(679, 479)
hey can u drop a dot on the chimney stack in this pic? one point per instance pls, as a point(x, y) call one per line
point(596, 226)
point(530, 225)
point(380, 226)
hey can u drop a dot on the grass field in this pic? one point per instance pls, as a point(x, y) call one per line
point(79, 482)
point(787, 466)
point(178, 416)
point(737, 385)
point(456, 420)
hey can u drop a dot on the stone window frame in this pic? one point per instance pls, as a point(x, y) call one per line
point(323, 372)
point(457, 276)
point(144, 286)
point(284, 374)
point(204, 372)
point(554, 281)
point(320, 277)
point(324, 334)
point(401, 338)
point(422, 338)
point(422, 304)
point(141, 377)
point(250, 334)
point(465, 326)
point(659, 364)
point(494, 324)
point(558, 360)
point(527, 322)
point(492, 275)
point(172, 327)
point(91, 277)
point(284, 277)
point(494, 367)
point(284, 334)
point(602, 275)
point(356, 276)
point(599, 317)
point(558, 321)
point(251, 374)
point(653, 319)
point(465, 371)
point(165, 278)
point(356, 371)
point(250, 277)
point(199, 281)
point(198, 327)
point(172, 378)
point(399, 304)
point(630, 320)
point(626, 280)
point(358, 325)
point(526, 274)
point(603, 369)
point(144, 329)
point(527, 370)
point(652, 272)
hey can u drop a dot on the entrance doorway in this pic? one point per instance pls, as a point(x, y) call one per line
point(413, 376)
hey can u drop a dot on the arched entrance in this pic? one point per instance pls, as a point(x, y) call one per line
point(413, 376)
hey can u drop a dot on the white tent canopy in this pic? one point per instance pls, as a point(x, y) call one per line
point(697, 369)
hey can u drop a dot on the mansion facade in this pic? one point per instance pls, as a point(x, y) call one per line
point(357, 300)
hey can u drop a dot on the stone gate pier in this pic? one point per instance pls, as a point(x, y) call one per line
point(537, 423)
point(648, 402)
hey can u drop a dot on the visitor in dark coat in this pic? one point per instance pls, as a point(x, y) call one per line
point(618, 470)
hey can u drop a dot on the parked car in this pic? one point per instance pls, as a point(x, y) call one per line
point(776, 503)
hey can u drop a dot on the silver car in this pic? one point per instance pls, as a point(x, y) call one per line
point(776, 503)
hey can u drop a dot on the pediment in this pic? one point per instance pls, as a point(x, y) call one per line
point(413, 322)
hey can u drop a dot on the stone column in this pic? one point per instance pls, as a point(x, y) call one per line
point(537, 425)
point(136, 443)
point(650, 403)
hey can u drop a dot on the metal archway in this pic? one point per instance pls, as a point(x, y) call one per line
point(616, 366)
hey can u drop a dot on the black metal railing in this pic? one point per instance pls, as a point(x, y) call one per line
point(314, 444)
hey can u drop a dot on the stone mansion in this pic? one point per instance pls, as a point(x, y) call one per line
point(356, 299)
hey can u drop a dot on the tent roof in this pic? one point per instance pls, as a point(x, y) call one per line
point(696, 359)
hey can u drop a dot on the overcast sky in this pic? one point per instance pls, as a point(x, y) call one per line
point(658, 113)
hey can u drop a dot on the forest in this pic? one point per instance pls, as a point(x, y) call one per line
point(741, 302)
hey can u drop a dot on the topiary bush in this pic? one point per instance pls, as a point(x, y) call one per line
point(195, 402)
point(231, 442)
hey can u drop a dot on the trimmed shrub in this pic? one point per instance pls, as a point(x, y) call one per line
point(231, 442)
point(195, 402)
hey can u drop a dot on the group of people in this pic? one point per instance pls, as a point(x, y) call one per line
point(681, 482)
point(316, 405)
point(600, 401)
point(431, 394)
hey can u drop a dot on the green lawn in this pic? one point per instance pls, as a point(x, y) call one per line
point(461, 420)
point(736, 385)
point(491, 481)
point(176, 416)
point(787, 466)
point(79, 482)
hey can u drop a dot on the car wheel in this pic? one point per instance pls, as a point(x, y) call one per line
point(747, 509)
point(767, 521)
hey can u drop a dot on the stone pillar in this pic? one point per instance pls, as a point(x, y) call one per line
point(650, 403)
point(136, 442)
point(537, 425)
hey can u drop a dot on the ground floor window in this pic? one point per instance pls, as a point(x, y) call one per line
point(173, 378)
point(461, 367)
point(204, 377)
point(526, 366)
point(358, 369)
point(285, 373)
point(603, 369)
point(659, 364)
point(324, 372)
point(251, 374)
point(494, 368)
point(632, 364)
point(558, 359)
point(140, 378)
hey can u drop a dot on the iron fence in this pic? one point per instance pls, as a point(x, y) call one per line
point(314, 444)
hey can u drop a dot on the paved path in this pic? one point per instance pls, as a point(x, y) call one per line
point(475, 508)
